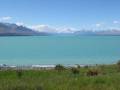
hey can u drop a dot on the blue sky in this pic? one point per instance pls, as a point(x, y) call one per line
point(70, 14)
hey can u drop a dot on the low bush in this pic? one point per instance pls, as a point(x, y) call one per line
point(19, 73)
point(86, 66)
point(59, 67)
point(118, 65)
point(78, 66)
point(75, 70)
point(92, 72)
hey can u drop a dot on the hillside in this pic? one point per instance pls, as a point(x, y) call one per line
point(7, 29)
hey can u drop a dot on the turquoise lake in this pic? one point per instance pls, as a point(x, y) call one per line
point(27, 50)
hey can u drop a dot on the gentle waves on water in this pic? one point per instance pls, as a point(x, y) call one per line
point(27, 50)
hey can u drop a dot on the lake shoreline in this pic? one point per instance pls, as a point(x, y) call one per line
point(46, 66)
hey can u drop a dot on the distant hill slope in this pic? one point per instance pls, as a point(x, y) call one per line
point(99, 33)
point(7, 29)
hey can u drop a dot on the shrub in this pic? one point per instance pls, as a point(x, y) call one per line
point(59, 67)
point(92, 72)
point(78, 66)
point(19, 73)
point(39, 88)
point(118, 65)
point(86, 66)
point(75, 70)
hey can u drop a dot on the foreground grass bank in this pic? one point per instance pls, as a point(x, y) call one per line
point(107, 78)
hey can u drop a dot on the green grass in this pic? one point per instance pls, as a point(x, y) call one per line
point(108, 79)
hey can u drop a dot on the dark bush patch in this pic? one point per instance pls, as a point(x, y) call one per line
point(39, 88)
point(92, 72)
point(75, 70)
point(19, 73)
point(118, 65)
point(86, 66)
point(78, 66)
point(59, 67)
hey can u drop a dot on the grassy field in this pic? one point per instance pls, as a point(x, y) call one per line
point(107, 78)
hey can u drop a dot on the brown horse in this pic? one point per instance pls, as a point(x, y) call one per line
point(92, 73)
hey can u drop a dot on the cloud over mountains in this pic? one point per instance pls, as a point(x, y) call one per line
point(5, 18)
point(49, 29)
point(8, 29)
point(20, 29)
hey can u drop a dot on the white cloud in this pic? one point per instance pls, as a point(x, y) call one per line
point(6, 18)
point(44, 28)
point(49, 29)
point(116, 22)
point(98, 25)
point(66, 30)
point(20, 23)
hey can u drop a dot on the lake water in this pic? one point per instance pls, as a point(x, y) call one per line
point(27, 50)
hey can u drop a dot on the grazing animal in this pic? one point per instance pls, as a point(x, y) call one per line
point(92, 73)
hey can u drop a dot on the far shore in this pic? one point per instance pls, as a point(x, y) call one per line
point(44, 66)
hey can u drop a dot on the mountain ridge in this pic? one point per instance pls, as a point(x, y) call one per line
point(11, 29)
point(8, 29)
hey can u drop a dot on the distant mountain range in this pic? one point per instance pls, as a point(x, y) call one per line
point(99, 32)
point(7, 29)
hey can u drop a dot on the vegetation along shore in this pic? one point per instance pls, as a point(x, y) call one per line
point(96, 77)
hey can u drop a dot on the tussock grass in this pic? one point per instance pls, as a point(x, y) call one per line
point(107, 79)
